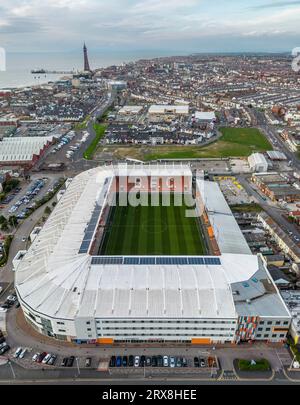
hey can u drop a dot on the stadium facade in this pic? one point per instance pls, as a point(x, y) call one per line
point(70, 293)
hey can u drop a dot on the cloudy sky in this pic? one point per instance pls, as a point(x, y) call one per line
point(174, 25)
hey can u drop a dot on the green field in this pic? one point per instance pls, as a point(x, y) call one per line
point(152, 230)
point(234, 142)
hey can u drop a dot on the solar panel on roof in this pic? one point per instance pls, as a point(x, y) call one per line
point(195, 260)
point(212, 260)
point(131, 260)
point(161, 260)
point(147, 260)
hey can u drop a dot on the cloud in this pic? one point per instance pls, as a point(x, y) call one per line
point(143, 24)
point(277, 4)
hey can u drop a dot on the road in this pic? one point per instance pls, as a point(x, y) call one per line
point(273, 136)
point(274, 212)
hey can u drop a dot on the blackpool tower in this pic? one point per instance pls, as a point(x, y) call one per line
point(86, 59)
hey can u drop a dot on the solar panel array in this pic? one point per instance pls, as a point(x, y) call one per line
point(153, 260)
point(89, 231)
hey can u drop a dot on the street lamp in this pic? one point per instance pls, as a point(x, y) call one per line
point(12, 370)
point(78, 369)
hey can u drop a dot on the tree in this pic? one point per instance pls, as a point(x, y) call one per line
point(4, 227)
point(2, 219)
point(13, 220)
point(47, 210)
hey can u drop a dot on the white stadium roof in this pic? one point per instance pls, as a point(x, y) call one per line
point(228, 235)
point(56, 280)
point(22, 148)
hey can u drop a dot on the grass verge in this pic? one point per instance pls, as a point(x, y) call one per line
point(261, 365)
point(100, 131)
point(246, 208)
point(6, 248)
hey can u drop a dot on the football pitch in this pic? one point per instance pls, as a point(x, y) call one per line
point(152, 230)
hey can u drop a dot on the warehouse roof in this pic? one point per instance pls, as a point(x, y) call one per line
point(22, 148)
point(256, 159)
point(165, 109)
point(205, 116)
point(276, 155)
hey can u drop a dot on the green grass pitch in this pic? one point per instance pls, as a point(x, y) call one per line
point(152, 230)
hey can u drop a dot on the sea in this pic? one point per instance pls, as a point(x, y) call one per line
point(19, 65)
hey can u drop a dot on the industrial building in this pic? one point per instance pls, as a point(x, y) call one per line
point(69, 293)
point(276, 187)
point(205, 117)
point(258, 163)
point(23, 151)
point(131, 109)
point(169, 109)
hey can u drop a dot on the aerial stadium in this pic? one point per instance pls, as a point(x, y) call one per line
point(147, 253)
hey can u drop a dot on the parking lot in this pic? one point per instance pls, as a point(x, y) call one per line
point(24, 198)
point(233, 191)
point(69, 148)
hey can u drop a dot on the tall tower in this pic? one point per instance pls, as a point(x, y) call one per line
point(86, 59)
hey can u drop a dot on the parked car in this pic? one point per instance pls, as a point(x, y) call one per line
point(124, 361)
point(131, 361)
point(88, 362)
point(52, 360)
point(136, 361)
point(154, 361)
point(202, 362)
point(46, 358)
point(2, 340)
point(148, 361)
point(166, 361)
point(196, 362)
point(4, 349)
point(18, 352)
point(119, 361)
point(184, 362)
point(70, 361)
point(160, 361)
point(142, 361)
point(112, 362)
point(41, 357)
point(35, 357)
point(64, 362)
point(172, 362)
point(178, 362)
point(22, 354)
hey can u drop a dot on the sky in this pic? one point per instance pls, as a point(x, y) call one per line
point(179, 26)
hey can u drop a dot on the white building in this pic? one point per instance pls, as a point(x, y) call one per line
point(169, 109)
point(203, 116)
point(130, 109)
point(68, 293)
point(258, 163)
